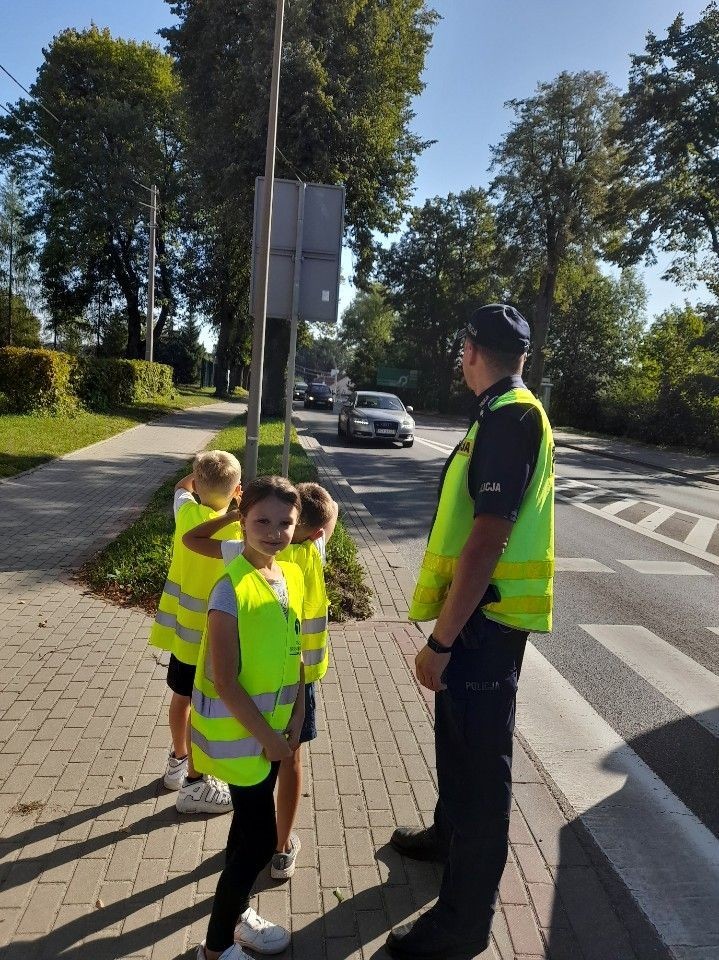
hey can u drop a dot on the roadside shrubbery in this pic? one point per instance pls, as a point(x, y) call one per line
point(48, 381)
point(37, 380)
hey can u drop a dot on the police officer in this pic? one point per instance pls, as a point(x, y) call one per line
point(487, 579)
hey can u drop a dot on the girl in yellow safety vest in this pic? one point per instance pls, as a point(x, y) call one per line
point(248, 707)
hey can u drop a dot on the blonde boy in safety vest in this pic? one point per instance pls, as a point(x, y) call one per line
point(181, 616)
point(316, 525)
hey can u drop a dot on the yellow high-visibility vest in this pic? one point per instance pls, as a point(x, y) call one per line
point(270, 648)
point(315, 633)
point(182, 612)
point(524, 574)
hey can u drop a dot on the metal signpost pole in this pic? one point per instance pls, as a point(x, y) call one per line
point(263, 261)
point(293, 329)
point(151, 276)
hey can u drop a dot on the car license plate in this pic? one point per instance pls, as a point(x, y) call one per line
point(390, 433)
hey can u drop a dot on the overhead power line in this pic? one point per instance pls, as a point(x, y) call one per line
point(34, 132)
point(38, 102)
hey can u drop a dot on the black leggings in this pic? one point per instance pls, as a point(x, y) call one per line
point(251, 843)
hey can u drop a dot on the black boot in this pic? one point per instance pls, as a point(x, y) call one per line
point(418, 843)
point(425, 939)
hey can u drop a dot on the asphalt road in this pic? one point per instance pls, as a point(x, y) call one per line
point(636, 632)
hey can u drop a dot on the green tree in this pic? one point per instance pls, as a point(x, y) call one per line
point(181, 348)
point(118, 124)
point(366, 333)
point(670, 133)
point(595, 335)
point(553, 185)
point(349, 73)
point(442, 268)
point(18, 325)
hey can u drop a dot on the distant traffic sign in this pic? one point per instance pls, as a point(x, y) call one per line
point(395, 377)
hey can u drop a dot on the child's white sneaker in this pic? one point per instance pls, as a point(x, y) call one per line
point(204, 796)
point(176, 771)
point(283, 864)
point(235, 952)
point(258, 934)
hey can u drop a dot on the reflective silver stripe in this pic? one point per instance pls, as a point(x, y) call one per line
point(212, 708)
point(172, 589)
point(209, 707)
point(227, 749)
point(311, 658)
point(184, 633)
point(316, 625)
point(288, 695)
point(195, 604)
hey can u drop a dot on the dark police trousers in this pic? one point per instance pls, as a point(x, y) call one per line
point(474, 724)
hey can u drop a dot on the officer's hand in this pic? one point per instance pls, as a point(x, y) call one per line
point(430, 666)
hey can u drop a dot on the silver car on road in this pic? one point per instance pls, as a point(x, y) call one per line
point(369, 415)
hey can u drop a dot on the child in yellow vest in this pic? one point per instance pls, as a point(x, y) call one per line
point(248, 707)
point(180, 619)
point(316, 525)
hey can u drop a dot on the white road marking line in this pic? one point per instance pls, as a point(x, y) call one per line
point(579, 565)
point(673, 568)
point(667, 858)
point(442, 447)
point(714, 630)
point(702, 533)
point(651, 534)
point(657, 518)
point(586, 495)
point(613, 508)
point(688, 684)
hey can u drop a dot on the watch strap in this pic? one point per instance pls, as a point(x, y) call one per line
point(435, 645)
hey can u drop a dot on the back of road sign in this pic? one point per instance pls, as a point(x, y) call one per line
point(322, 232)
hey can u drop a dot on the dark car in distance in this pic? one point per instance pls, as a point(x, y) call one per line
point(319, 395)
point(299, 391)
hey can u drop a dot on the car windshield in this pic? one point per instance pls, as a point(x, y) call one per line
point(319, 388)
point(299, 385)
point(369, 402)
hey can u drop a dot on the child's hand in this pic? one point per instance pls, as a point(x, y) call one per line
point(277, 748)
point(293, 730)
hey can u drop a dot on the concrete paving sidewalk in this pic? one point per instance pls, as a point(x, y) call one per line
point(94, 860)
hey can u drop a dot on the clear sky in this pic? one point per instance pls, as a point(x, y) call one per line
point(484, 53)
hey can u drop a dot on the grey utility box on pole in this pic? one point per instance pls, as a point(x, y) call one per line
point(321, 249)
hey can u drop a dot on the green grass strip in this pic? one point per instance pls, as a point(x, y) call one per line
point(132, 569)
point(28, 440)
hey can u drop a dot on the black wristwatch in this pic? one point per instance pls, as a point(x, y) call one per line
point(435, 645)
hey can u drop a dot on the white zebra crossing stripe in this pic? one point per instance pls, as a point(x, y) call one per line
point(617, 507)
point(688, 684)
point(702, 532)
point(667, 858)
point(579, 565)
point(673, 568)
point(657, 518)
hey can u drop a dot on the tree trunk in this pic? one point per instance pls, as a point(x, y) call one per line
point(222, 356)
point(135, 343)
point(542, 314)
point(277, 348)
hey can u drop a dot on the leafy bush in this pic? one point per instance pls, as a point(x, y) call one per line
point(104, 383)
point(37, 380)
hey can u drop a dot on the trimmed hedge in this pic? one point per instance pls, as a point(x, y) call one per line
point(116, 382)
point(37, 380)
point(52, 382)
